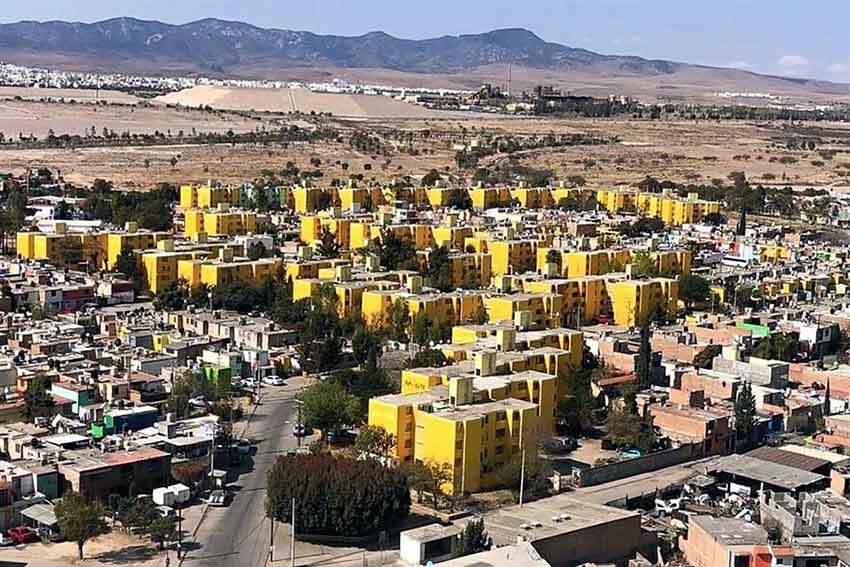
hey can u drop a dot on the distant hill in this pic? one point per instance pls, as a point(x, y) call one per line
point(217, 47)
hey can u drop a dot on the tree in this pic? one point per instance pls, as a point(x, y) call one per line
point(162, 529)
point(778, 346)
point(395, 253)
point(328, 246)
point(256, 251)
point(429, 478)
point(714, 219)
point(172, 298)
point(705, 358)
point(428, 358)
point(327, 406)
point(79, 519)
point(363, 342)
point(127, 265)
point(629, 430)
point(374, 441)
point(745, 413)
point(38, 401)
point(643, 366)
point(439, 270)
point(69, 252)
point(537, 473)
point(694, 289)
point(474, 538)
point(399, 317)
point(643, 265)
point(188, 472)
point(336, 496)
point(576, 408)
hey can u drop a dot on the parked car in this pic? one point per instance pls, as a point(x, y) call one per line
point(23, 534)
point(301, 430)
point(273, 381)
point(218, 498)
point(249, 383)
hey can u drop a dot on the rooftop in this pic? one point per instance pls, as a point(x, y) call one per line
point(781, 476)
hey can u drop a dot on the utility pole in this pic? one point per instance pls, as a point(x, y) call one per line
point(522, 465)
point(292, 543)
point(271, 539)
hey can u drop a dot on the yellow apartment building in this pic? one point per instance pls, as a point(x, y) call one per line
point(309, 199)
point(635, 301)
point(616, 201)
point(489, 197)
point(532, 197)
point(512, 256)
point(452, 237)
point(221, 222)
point(470, 270)
point(443, 426)
point(206, 197)
point(674, 210)
point(529, 311)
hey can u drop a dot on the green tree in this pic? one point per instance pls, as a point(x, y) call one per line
point(127, 265)
point(474, 538)
point(336, 496)
point(328, 246)
point(778, 346)
point(629, 430)
point(257, 250)
point(439, 270)
point(643, 265)
point(643, 366)
point(327, 406)
point(38, 401)
point(537, 474)
point(374, 441)
point(162, 529)
point(428, 478)
point(428, 358)
point(714, 219)
point(172, 298)
point(705, 357)
point(399, 317)
point(694, 289)
point(395, 253)
point(363, 341)
point(69, 252)
point(79, 519)
point(745, 413)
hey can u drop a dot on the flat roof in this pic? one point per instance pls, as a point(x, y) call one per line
point(517, 555)
point(774, 474)
point(833, 458)
point(572, 514)
point(731, 531)
point(788, 458)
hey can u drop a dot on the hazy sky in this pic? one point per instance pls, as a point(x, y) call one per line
point(789, 37)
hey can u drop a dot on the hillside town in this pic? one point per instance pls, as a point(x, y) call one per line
point(485, 375)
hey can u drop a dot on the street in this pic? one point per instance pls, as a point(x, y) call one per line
point(238, 535)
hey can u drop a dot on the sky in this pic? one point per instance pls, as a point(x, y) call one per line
point(788, 37)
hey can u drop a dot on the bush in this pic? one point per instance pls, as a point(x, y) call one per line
point(336, 496)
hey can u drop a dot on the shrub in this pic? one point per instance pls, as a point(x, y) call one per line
point(336, 496)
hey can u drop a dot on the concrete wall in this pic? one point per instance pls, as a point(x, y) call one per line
point(603, 543)
point(647, 463)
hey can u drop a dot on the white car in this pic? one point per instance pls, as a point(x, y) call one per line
point(218, 498)
point(249, 383)
point(273, 381)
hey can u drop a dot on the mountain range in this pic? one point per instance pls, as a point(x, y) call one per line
point(217, 47)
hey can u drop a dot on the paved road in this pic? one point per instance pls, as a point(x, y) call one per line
point(238, 535)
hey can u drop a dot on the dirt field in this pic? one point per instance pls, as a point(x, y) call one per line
point(79, 95)
point(38, 118)
point(297, 100)
point(681, 151)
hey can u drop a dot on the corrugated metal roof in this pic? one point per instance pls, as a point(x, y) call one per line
point(788, 458)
